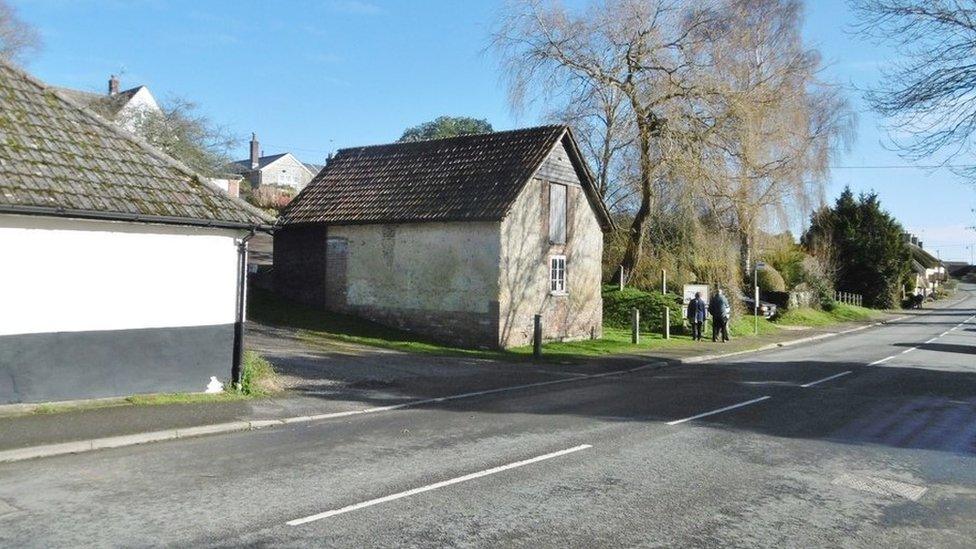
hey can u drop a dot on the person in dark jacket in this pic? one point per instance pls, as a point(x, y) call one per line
point(696, 316)
point(720, 310)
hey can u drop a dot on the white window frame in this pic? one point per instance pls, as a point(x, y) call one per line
point(557, 275)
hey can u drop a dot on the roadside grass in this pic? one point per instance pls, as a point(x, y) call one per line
point(329, 330)
point(745, 326)
point(842, 312)
point(259, 380)
point(615, 341)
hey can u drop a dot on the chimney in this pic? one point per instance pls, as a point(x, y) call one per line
point(113, 85)
point(254, 152)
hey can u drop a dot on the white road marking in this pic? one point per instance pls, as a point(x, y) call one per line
point(835, 376)
point(931, 340)
point(882, 361)
point(910, 349)
point(435, 486)
point(719, 411)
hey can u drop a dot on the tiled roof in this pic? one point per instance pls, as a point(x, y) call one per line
point(472, 177)
point(58, 156)
point(244, 166)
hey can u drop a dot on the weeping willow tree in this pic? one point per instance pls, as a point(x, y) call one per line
point(780, 125)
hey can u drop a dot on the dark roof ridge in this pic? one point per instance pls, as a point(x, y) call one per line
point(467, 135)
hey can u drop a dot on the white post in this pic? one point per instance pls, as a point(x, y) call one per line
point(755, 298)
point(635, 326)
point(667, 323)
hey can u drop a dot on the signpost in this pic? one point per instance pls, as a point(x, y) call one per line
point(755, 297)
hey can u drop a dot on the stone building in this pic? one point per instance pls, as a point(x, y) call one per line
point(462, 240)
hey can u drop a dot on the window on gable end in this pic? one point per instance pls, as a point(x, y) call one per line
point(557, 213)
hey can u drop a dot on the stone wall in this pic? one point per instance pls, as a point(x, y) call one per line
point(436, 279)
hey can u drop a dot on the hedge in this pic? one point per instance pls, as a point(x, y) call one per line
point(618, 303)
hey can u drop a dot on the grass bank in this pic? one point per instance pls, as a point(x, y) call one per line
point(841, 312)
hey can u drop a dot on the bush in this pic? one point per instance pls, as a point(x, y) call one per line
point(258, 377)
point(815, 278)
point(770, 280)
point(617, 305)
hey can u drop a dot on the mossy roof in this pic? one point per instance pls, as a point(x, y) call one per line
point(57, 155)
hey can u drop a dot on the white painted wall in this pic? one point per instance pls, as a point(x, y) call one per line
point(141, 103)
point(66, 275)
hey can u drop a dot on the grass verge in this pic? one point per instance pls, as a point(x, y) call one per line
point(259, 380)
point(324, 330)
point(842, 312)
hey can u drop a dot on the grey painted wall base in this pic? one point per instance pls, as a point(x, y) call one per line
point(77, 365)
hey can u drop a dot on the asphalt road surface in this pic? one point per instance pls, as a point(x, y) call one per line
point(861, 440)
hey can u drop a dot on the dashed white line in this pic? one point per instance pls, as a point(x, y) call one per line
point(908, 350)
point(828, 378)
point(435, 486)
point(719, 411)
point(882, 361)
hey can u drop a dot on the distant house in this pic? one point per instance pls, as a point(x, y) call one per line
point(127, 109)
point(124, 107)
point(122, 270)
point(929, 271)
point(277, 170)
point(463, 240)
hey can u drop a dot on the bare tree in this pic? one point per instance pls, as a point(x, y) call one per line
point(780, 124)
point(928, 92)
point(605, 135)
point(18, 39)
point(186, 135)
point(643, 52)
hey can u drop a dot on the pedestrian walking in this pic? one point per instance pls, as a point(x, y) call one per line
point(721, 311)
point(696, 316)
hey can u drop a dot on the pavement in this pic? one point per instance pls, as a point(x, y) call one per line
point(864, 439)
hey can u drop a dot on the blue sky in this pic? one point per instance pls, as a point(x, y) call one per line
point(314, 76)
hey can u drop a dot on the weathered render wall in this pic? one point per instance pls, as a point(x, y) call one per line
point(524, 276)
point(438, 279)
point(97, 309)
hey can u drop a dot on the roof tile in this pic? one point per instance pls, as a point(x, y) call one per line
point(472, 177)
point(54, 153)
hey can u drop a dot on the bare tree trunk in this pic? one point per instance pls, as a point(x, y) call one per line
point(635, 244)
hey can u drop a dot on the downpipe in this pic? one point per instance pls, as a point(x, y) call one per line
point(236, 370)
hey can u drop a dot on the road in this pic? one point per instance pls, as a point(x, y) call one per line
point(867, 439)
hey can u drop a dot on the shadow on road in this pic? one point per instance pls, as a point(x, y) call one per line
point(930, 406)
